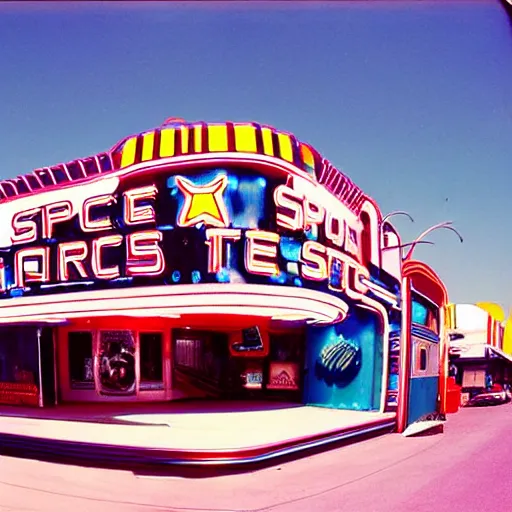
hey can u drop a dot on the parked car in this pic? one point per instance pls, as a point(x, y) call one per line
point(508, 392)
point(495, 395)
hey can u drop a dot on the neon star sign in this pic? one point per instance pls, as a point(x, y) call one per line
point(203, 203)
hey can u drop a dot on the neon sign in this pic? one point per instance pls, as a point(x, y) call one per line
point(115, 236)
point(144, 256)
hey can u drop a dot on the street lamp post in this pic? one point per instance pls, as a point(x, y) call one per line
point(442, 225)
point(406, 323)
point(402, 246)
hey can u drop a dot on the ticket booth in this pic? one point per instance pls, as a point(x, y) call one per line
point(424, 347)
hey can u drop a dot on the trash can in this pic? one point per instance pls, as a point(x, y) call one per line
point(453, 396)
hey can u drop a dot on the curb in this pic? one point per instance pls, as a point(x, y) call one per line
point(127, 457)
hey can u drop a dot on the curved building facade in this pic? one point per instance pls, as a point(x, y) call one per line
point(199, 260)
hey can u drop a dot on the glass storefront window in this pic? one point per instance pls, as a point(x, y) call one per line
point(19, 355)
point(188, 352)
point(286, 348)
point(80, 360)
point(151, 360)
point(200, 361)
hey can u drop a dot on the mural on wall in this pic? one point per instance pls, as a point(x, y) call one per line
point(339, 362)
point(345, 363)
point(117, 363)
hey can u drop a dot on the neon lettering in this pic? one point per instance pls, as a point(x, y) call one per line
point(296, 212)
point(54, 214)
point(314, 265)
point(261, 252)
point(314, 213)
point(31, 266)
point(351, 245)
point(289, 214)
point(86, 223)
point(96, 261)
point(135, 213)
point(215, 238)
point(144, 254)
point(71, 253)
point(24, 226)
point(335, 229)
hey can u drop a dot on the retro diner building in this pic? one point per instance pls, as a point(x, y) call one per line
point(212, 260)
point(480, 350)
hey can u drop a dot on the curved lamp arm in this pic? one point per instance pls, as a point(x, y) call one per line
point(441, 225)
point(408, 244)
point(393, 214)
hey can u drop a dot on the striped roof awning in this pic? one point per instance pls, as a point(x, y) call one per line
point(177, 138)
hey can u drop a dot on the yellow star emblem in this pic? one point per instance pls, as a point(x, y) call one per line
point(203, 203)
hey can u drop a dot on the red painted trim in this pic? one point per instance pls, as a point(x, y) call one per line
point(418, 269)
point(405, 357)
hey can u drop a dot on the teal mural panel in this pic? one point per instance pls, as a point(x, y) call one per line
point(345, 363)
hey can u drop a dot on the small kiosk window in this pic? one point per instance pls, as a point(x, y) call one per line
point(423, 359)
point(151, 360)
point(426, 314)
point(80, 360)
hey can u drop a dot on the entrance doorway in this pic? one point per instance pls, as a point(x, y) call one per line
point(200, 363)
point(246, 364)
point(48, 370)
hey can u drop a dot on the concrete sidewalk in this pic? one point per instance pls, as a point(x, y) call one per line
point(463, 469)
point(179, 433)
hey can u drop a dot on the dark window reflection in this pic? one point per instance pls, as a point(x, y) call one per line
point(151, 360)
point(80, 360)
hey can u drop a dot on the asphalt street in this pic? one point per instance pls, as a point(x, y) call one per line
point(465, 468)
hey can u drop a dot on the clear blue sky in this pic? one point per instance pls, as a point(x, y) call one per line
point(413, 100)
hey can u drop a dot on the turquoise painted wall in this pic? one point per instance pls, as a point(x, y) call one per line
point(344, 363)
point(423, 393)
